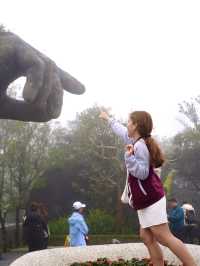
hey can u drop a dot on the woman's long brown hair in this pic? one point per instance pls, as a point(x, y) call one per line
point(144, 126)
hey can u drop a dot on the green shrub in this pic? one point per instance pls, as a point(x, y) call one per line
point(59, 226)
point(100, 222)
point(168, 183)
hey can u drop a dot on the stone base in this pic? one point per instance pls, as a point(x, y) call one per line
point(68, 255)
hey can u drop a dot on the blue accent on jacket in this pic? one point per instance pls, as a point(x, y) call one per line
point(176, 218)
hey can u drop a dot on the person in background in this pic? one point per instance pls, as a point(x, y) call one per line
point(191, 224)
point(46, 232)
point(189, 213)
point(33, 228)
point(176, 219)
point(78, 229)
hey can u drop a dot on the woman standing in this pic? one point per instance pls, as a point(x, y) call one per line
point(33, 228)
point(78, 229)
point(146, 193)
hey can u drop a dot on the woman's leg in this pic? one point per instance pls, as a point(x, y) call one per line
point(163, 235)
point(152, 246)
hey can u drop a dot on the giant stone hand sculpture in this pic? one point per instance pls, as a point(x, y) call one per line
point(43, 90)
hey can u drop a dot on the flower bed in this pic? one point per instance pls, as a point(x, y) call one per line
point(120, 262)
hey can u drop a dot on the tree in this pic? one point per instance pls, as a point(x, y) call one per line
point(191, 114)
point(185, 153)
point(86, 163)
point(25, 157)
point(187, 143)
point(4, 196)
point(2, 28)
point(100, 156)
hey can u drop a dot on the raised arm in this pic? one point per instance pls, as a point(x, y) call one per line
point(119, 129)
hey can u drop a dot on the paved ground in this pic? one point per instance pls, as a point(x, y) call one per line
point(8, 258)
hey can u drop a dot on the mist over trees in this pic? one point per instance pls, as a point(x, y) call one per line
point(56, 165)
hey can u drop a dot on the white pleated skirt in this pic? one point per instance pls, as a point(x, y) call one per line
point(153, 215)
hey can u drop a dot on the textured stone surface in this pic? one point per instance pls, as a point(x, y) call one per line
point(66, 256)
point(45, 81)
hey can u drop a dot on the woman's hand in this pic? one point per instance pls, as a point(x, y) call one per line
point(104, 115)
point(129, 149)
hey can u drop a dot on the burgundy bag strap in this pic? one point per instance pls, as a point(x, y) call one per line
point(136, 140)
